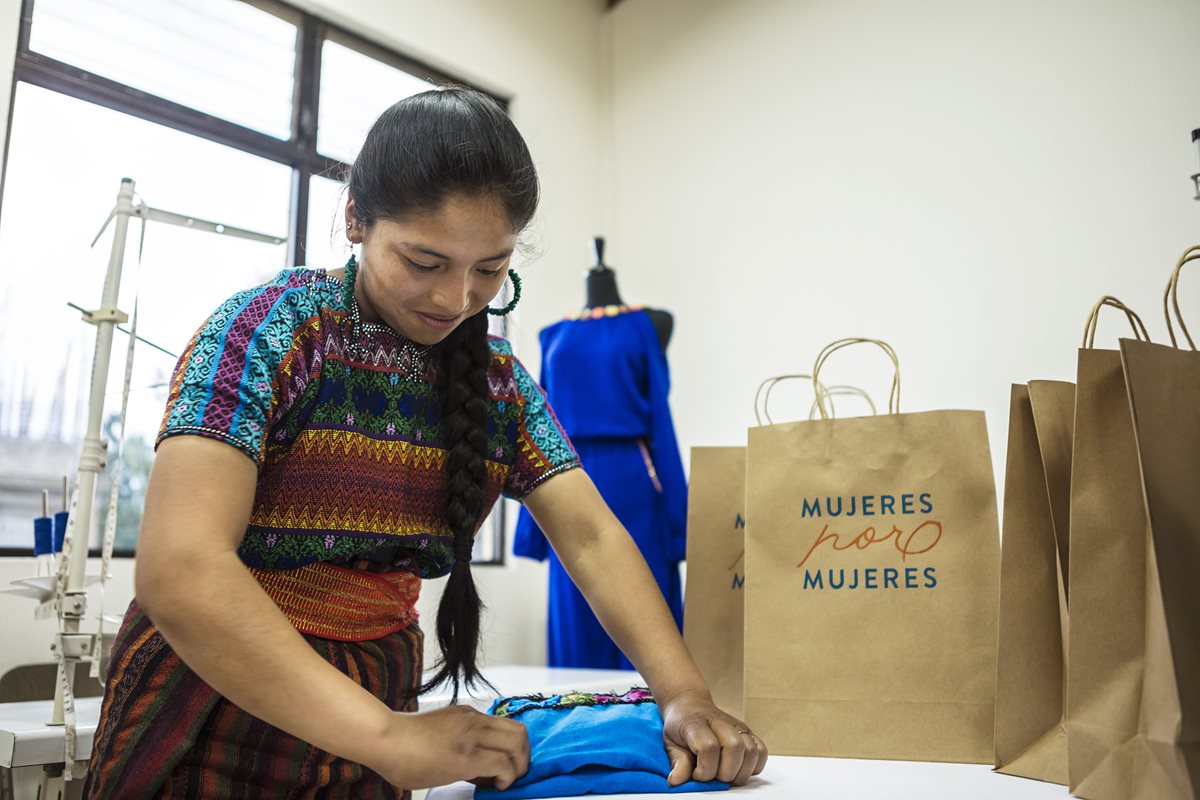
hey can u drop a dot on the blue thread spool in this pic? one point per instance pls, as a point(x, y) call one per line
point(43, 534)
point(60, 530)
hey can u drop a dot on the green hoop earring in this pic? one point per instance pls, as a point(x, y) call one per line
point(516, 282)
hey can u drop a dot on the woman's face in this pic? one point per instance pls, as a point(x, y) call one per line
point(424, 275)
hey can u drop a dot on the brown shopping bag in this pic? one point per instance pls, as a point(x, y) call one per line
point(716, 574)
point(1108, 569)
point(872, 551)
point(1163, 759)
point(1031, 655)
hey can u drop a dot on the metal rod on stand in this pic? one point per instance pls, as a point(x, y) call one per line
point(70, 642)
point(71, 645)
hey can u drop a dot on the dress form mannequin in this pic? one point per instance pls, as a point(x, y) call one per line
point(605, 372)
point(602, 291)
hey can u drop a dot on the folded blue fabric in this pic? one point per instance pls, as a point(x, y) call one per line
point(590, 744)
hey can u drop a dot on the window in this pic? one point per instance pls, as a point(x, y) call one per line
point(106, 89)
point(194, 52)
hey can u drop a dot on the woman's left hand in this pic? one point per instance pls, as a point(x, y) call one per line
point(704, 743)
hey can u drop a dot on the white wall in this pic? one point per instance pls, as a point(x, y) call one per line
point(961, 178)
point(545, 54)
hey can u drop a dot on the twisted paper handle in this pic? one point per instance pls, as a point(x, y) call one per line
point(893, 396)
point(829, 393)
point(1172, 294)
point(1135, 322)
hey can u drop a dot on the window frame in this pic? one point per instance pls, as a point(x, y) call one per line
point(299, 151)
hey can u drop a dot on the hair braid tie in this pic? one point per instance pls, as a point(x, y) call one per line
point(463, 545)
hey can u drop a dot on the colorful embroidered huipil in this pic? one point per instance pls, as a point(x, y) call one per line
point(349, 446)
point(344, 424)
point(607, 379)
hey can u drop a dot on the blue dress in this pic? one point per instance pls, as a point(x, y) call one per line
point(607, 380)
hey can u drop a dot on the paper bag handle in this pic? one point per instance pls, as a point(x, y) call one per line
point(842, 390)
point(1135, 322)
point(829, 393)
point(893, 397)
point(1172, 293)
point(768, 385)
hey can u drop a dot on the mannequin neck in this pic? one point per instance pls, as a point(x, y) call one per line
point(602, 288)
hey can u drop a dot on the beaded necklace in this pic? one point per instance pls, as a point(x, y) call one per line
point(413, 357)
point(600, 312)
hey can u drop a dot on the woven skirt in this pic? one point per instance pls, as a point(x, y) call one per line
point(165, 733)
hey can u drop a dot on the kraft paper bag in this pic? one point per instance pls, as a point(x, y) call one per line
point(1163, 383)
point(872, 550)
point(1109, 539)
point(716, 574)
point(1164, 393)
point(713, 607)
point(1031, 661)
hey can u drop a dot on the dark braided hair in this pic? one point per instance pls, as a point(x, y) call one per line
point(421, 151)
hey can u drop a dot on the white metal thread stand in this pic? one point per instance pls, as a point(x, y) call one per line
point(64, 595)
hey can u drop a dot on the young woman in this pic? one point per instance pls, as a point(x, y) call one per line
point(332, 438)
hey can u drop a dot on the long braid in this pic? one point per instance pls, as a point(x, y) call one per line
point(420, 152)
point(465, 360)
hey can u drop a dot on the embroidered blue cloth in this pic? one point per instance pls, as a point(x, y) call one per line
point(591, 744)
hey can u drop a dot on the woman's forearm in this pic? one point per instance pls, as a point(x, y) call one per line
point(702, 741)
point(228, 631)
point(608, 568)
point(630, 606)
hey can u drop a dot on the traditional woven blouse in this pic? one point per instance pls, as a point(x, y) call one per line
point(344, 423)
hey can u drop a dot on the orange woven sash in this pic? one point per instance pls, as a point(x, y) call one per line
point(348, 605)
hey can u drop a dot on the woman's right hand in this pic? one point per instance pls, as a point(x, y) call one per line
point(456, 743)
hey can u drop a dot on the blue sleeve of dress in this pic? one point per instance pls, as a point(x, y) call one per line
point(665, 450)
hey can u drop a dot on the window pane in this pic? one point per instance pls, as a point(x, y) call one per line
point(326, 245)
point(59, 188)
point(355, 89)
point(486, 549)
point(223, 57)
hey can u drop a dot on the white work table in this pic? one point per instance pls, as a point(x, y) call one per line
point(25, 740)
point(796, 777)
